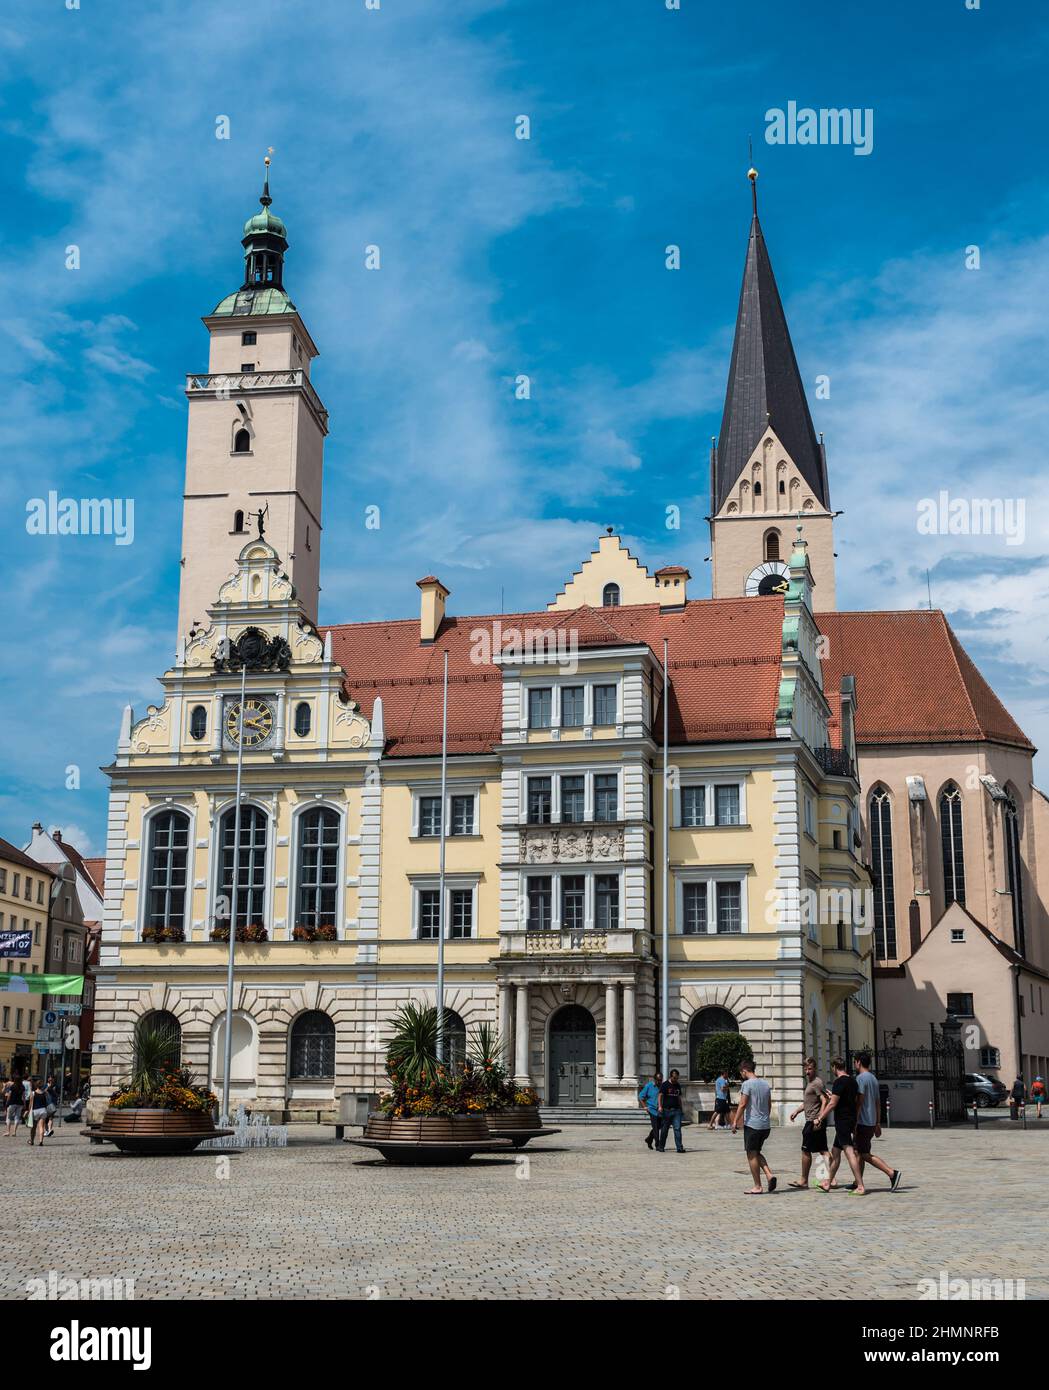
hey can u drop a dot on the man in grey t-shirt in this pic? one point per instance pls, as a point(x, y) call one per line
point(755, 1110)
point(868, 1120)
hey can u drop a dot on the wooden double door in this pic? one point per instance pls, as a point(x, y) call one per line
point(573, 1057)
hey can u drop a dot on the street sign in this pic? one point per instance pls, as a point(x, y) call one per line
point(50, 1017)
point(69, 1010)
point(16, 945)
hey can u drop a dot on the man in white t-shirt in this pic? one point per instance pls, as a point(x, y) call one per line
point(755, 1110)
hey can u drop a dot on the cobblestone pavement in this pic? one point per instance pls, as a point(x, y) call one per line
point(588, 1214)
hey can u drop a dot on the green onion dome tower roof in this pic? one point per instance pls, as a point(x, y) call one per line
point(265, 242)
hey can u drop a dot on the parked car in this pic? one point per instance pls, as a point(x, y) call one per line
point(984, 1090)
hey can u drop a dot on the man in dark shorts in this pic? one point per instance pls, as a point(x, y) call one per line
point(868, 1120)
point(842, 1103)
point(813, 1136)
point(755, 1110)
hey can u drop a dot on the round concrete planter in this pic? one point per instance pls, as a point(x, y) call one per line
point(518, 1124)
point(427, 1139)
point(141, 1131)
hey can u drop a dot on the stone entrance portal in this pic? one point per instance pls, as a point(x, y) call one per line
point(573, 1057)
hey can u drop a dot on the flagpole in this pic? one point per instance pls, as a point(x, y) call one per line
point(665, 949)
point(228, 1040)
point(440, 900)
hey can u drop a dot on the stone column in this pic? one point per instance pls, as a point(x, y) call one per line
point(521, 1075)
point(612, 1067)
point(630, 1071)
point(504, 1021)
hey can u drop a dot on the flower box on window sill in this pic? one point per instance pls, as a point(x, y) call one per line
point(323, 933)
point(253, 933)
point(160, 936)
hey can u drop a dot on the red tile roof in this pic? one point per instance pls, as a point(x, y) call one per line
point(9, 852)
point(724, 657)
point(96, 872)
point(915, 683)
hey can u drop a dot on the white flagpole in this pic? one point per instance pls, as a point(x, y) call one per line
point(228, 1040)
point(665, 950)
point(440, 904)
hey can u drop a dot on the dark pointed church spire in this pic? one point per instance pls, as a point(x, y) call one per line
point(764, 384)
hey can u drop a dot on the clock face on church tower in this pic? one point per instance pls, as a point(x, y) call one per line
point(250, 723)
point(773, 577)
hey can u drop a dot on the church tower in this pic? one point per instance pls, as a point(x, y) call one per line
point(255, 440)
point(768, 471)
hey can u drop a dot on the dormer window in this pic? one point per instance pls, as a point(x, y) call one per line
point(610, 596)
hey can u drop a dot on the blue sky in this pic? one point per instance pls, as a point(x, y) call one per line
point(502, 257)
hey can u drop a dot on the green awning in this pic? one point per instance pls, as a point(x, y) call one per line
point(41, 984)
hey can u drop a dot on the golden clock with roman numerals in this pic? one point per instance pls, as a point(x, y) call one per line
point(250, 723)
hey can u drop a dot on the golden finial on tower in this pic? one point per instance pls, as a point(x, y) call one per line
point(752, 174)
point(266, 200)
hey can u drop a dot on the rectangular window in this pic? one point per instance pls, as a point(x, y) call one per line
point(19, 1013)
point(248, 339)
point(40, 893)
point(32, 1020)
point(606, 796)
point(693, 805)
point(573, 896)
point(573, 799)
point(462, 815)
point(28, 894)
point(604, 704)
point(808, 816)
point(606, 901)
point(539, 800)
point(462, 914)
point(571, 706)
point(695, 909)
point(16, 883)
point(429, 815)
point(729, 908)
point(540, 902)
point(56, 948)
point(961, 1005)
point(7, 1019)
point(247, 366)
point(990, 1057)
point(429, 914)
point(36, 935)
point(726, 804)
point(3, 880)
point(539, 708)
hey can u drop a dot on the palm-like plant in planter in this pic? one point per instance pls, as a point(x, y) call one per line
point(513, 1111)
point(159, 1108)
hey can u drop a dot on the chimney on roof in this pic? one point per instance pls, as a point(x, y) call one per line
point(672, 583)
point(431, 614)
point(56, 835)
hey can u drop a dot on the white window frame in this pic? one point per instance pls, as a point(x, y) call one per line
point(421, 883)
point(155, 808)
point(555, 684)
point(710, 876)
point(709, 782)
point(421, 789)
point(556, 872)
point(588, 773)
point(316, 803)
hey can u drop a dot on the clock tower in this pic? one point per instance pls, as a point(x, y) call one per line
point(768, 471)
point(255, 440)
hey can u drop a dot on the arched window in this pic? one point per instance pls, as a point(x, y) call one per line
point(610, 596)
point(169, 1030)
point(782, 487)
point(251, 876)
point(704, 1023)
point(198, 722)
point(317, 875)
point(168, 853)
point(238, 517)
point(312, 1047)
point(242, 442)
point(243, 1055)
point(757, 489)
point(881, 866)
point(1014, 867)
point(951, 845)
point(454, 1038)
point(303, 719)
point(772, 545)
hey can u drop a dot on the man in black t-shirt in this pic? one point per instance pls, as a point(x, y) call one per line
point(670, 1112)
point(843, 1103)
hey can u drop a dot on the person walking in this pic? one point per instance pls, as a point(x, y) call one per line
point(648, 1098)
point(722, 1098)
point(813, 1136)
point(1017, 1097)
point(1038, 1095)
point(14, 1104)
point(670, 1112)
point(868, 1119)
point(37, 1111)
point(755, 1111)
point(52, 1106)
point(842, 1103)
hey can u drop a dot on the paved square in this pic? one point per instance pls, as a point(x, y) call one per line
point(590, 1214)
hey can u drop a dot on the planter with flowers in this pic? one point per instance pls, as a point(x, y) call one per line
point(159, 1109)
point(513, 1111)
point(161, 936)
point(434, 1111)
point(253, 933)
point(327, 932)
